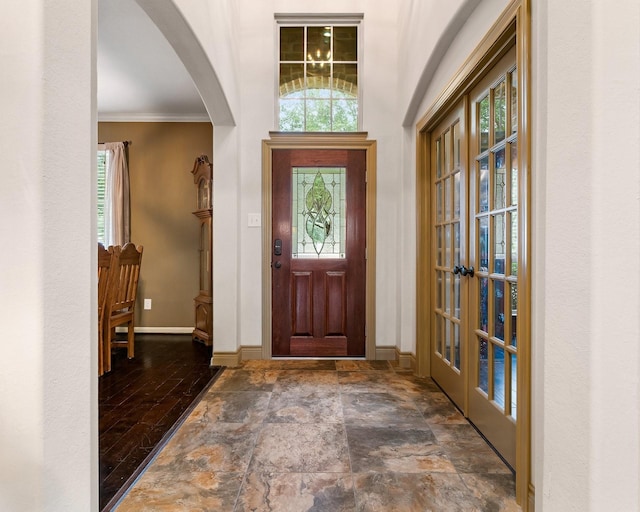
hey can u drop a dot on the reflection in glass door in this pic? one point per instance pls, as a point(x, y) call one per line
point(494, 223)
point(448, 153)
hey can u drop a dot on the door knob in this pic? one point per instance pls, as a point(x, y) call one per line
point(467, 271)
point(457, 269)
point(277, 264)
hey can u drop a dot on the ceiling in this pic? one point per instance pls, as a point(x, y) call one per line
point(140, 77)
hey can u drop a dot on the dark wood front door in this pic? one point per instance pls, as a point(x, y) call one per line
point(318, 252)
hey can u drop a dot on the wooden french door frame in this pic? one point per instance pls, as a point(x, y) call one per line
point(513, 25)
point(280, 140)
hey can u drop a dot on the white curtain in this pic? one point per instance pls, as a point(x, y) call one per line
point(116, 208)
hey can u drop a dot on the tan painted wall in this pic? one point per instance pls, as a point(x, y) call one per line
point(163, 195)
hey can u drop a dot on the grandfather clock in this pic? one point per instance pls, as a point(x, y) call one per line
point(202, 177)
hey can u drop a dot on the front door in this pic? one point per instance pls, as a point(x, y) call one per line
point(318, 245)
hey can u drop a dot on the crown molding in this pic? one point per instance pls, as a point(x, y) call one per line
point(153, 118)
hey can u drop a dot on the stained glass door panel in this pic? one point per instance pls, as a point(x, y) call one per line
point(319, 212)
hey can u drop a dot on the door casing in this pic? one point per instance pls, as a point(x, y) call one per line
point(356, 140)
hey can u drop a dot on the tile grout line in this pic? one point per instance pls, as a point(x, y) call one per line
point(346, 437)
point(405, 386)
point(255, 442)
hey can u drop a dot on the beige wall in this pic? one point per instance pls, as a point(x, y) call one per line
point(163, 195)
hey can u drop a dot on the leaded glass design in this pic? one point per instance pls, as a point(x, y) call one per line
point(483, 365)
point(514, 313)
point(498, 376)
point(514, 101)
point(499, 112)
point(499, 180)
point(319, 212)
point(514, 385)
point(496, 243)
point(498, 309)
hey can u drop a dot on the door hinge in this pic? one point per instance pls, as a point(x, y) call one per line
point(366, 253)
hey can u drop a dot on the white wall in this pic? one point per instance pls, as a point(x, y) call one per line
point(226, 239)
point(587, 252)
point(426, 31)
point(434, 41)
point(256, 68)
point(468, 32)
point(215, 25)
point(48, 373)
point(389, 79)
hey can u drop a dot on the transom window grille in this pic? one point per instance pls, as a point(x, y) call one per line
point(319, 212)
point(318, 78)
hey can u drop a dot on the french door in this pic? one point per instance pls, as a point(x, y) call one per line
point(494, 221)
point(449, 155)
point(477, 221)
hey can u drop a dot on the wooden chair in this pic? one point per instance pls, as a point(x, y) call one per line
point(122, 302)
point(107, 260)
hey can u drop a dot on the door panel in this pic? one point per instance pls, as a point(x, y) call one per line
point(448, 150)
point(302, 291)
point(494, 243)
point(336, 319)
point(319, 277)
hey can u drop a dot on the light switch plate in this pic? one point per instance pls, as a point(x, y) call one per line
point(254, 220)
point(147, 303)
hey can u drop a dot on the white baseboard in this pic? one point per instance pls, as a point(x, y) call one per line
point(158, 330)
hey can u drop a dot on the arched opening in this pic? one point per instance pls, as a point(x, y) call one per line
point(181, 36)
point(173, 25)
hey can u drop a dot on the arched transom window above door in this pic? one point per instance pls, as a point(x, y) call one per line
point(318, 61)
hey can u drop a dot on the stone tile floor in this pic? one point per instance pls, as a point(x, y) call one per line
point(303, 435)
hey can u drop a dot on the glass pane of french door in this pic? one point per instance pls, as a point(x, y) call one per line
point(448, 153)
point(493, 251)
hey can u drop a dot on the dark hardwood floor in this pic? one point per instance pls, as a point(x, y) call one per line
point(140, 401)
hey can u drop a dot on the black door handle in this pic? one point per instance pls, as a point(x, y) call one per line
point(467, 271)
point(457, 269)
point(277, 264)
